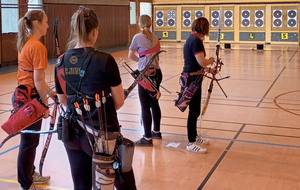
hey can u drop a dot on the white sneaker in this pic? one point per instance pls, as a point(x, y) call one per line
point(194, 147)
point(201, 141)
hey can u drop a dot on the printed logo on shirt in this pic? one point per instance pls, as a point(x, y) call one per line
point(73, 60)
point(72, 71)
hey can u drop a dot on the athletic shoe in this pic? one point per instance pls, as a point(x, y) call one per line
point(156, 135)
point(193, 147)
point(38, 179)
point(33, 187)
point(201, 141)
point(144, 142)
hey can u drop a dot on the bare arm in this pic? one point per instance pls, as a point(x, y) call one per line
point(205, 62)
point(132, 56)
point(41, 86)
point(62, 98)
point(118, 96)
point(202, 61)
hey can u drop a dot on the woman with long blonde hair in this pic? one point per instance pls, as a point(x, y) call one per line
point(32, 62)
point(90, 72)
point(146, 44)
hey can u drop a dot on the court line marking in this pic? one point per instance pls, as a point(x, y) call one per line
point(282, 108)
point(43, 186)
point(218, 138)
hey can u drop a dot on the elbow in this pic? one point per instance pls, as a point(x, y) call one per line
point(119, 105)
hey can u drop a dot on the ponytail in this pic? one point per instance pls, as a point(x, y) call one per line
point(25, 25)
point(83, 21)
point(23, 34)
point(147, 32)
point(145, 24)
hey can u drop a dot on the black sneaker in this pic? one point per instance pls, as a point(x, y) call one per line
point(143, 142)
point(156, 135)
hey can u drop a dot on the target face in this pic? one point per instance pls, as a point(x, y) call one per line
point(159, 14)
point(245, 18)
point(228, 18)
point(159, 18)
point(259, 18)
point(187, 14)
point(198, 14)
point(277, 13)
point(245, 23)
point(171, 22)
point(228, 23)
point(292, 23)
point(159, 22)
point(292, 13)
point(259, 14)
point(215, 23)
point(245, 14)
point(171, 14)
point(186, 23)
point(228, 14)
point(277, 23)
point(259, 23)
point(277, 18)
point(215, 14)
point(292, 16)
point(215, 18)
point(171, 18)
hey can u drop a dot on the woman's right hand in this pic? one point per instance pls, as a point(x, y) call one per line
point(211, 60)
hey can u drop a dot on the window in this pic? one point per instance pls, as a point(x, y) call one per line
point(34, 4)
point(146, 9)
point(132, 13)
point(9, 16)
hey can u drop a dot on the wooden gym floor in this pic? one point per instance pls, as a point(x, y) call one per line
point(254, 134)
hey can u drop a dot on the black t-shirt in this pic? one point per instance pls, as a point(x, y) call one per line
point(192, 46)
point(101, 73)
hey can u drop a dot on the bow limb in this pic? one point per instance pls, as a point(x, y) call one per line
point(141, 75)
point(24, 131)
point(56, 37)
point(48, 140)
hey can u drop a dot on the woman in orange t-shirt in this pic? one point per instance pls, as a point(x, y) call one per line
point(32, 58)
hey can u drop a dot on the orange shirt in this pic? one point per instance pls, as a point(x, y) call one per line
point(33, 56)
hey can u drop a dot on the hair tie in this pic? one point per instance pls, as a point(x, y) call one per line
point(25, 18)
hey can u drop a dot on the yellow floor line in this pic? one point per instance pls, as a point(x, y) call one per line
point(43, 186)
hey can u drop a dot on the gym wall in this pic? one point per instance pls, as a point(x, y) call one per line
point(275, 22)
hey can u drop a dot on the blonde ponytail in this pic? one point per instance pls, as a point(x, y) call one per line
point(83, 21)
point(145, 24)
point(23, 34)
point(25, 25)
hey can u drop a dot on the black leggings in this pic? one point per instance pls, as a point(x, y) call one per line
point(27, 151)
point(194, 112)
point(147, 103)
point(80, 159)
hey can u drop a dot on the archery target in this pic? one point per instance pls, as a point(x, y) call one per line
point(171, 18)
point(186, 18)
point(245, 18)
point(198, 14)
point(277, 18)
point(292, 18)
point(215, 18)
point(159, 18)
point(228, 18)
point(259, 18)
